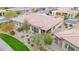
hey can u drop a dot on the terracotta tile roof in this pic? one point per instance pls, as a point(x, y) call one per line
point(43, 21)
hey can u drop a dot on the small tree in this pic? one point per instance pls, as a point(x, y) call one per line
point(65, 25)
point(12, 32)
point(18, 12)
point(6, 7)
point(26, 26)
point(10, 14)
point(36, 38)
point(20, 29)
point(66, 17)
point(77, 15)
point(48, 39)
point(34, 10)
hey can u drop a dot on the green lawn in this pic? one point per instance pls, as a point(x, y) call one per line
point(14, 43)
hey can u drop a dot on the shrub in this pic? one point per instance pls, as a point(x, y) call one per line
point(7, 26)
point(25, 26)
point(12, 32)
point(20, 29)
point(48, 39)
point(18, 12)
point(66, 17)
point(77, 15)
point(34, 10)
point(65, 25)
point(41, 47)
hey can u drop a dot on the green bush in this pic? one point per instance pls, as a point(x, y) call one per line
point(48, 39)
point(36, 38)
point(34, 10)
point(65, 25)
point(66, 17)
point(20, 29)
point(12, 32)
point(77, 15)
point(18, 12)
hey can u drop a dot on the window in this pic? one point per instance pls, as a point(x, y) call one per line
point(42, 31)
point(58, 13)
point(70, 48)
point(77, 49)
point(35, 29)
point(66, 45)
point(64, 14)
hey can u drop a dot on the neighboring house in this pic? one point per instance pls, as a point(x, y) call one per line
point(64, 11)
point(40, 23)
point(70, 23)
point(68, 39)
point(43, 10)
point(52, 8)
point(46, 10)
point(23, 10)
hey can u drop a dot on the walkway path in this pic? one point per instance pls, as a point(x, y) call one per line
point(55, 47)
